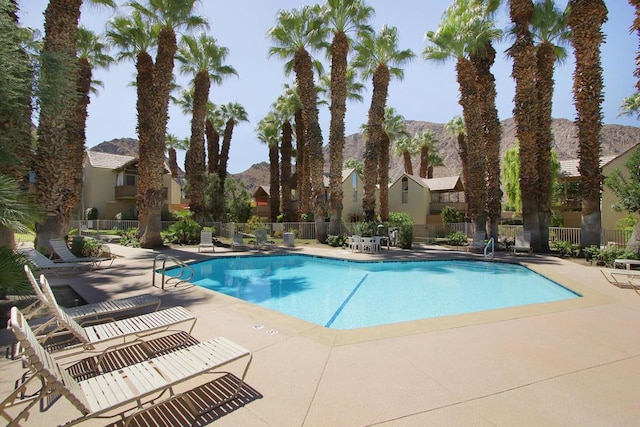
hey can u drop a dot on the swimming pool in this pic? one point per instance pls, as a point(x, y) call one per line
point(343, 294)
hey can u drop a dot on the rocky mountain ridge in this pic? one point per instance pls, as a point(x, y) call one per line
point(616, 139)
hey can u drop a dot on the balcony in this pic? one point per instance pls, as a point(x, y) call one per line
point(128, 192)
point(436, 208)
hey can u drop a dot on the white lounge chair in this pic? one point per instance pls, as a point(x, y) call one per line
point(237, 243)
point(262, 241)
point(104, 310)
point(139, 386)
point(522, 243)
point(355, 244)
point(477, 245)
point(129, 328)
point(43, 263)
point(206, 241)
point(61, 249)
point(627, 279)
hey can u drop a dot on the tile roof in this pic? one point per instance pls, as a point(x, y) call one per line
point(569, 168)
point(98, 159)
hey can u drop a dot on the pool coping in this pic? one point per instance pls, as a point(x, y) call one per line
point(340, 337)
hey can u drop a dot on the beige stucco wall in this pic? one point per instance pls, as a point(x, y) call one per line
point(349, 205)
point(417, 203)
point(98, 188)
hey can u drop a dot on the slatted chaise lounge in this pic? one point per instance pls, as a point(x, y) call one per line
point(146, 384)
point(60, 248)
point(105, 310)
point(132, 327)
point(206, 241)
point(43, 263)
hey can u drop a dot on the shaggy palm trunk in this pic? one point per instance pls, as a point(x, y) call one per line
point(223, 161)
point(383, 177)
point(546, 59)
point(636, 27)
point(58, 177)
point(525, 113)
point(339, 50)
point(173, 161)
point(303, 184)
point(424, 161)
point(144, 87)
point(475, 175)
point(274, 183)
point(313, 142)
point(375, 132)
point(285, 170)
point(195, 169)
point(213, 147)
point(492, 133)
point(408, 167)
point(585, 20)
point(463, 153)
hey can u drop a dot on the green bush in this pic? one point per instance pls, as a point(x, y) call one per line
point(13, 281)
point(457, 239)
point(404, 223)
point(83, 246)
point(185, 231)
point(611, 253)
point(563, 247)
point(450, 215)
point(129, 238)
point(337, 241)
point(91, 213)
point(365, 229)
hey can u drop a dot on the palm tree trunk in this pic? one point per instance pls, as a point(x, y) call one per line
point(475, 174)
point(525, 113)
point(408, 167)
point(339, 50)
point(274, 183)
point(285, 170)
point(383, 174)
point(424, 161)
point(213, 146)
point(313, 141)
point(196, 169)
point(144, 87)
point(224, 154)
point(585, 20)
point(153, 172)
point(303, 184)
point(58, 178)
point(375, 132)
point(546, 59)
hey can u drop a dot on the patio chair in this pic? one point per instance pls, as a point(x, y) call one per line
point(43, 263)
point(137, 326)
point(626, 279)
point(262, 239)
point(206, 241)
point(137, 387)
point(522, 243)
point(238, 244)
point(369, 245)
point(478, 242)
point(355, 243)
point(61, 249)
point(105, 310)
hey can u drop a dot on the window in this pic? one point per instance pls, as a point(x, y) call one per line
point(354, 197)
point(130, 180)
point(405, 190)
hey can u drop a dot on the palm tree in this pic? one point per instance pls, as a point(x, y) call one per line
point(585, 20)
point(355, 164)
point(630, 106)
point(394, 127)
point(456, 38)
point(58, 164)
point(267, 132)
point(285, 109)
point(636, 27)
point(378, 57)
point(233, 113)
point(296, 32)
point(406, 147)
point(343, 17)
point(168, 16)
point(549, 29)
point(203, 58)
point(425, 141)
point(457, 129)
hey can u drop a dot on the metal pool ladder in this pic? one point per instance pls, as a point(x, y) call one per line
point(490, 244)
point(183, 266)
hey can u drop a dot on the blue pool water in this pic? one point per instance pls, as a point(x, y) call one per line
point(346, 294)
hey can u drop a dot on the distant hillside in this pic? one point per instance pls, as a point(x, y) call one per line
point(615, 140)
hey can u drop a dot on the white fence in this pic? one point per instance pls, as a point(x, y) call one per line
point(306, 230)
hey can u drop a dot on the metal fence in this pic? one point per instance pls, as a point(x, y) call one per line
point(306, 230)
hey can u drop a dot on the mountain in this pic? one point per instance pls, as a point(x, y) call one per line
point(616, 139)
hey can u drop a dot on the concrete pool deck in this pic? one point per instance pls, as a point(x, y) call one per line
point(573, 362)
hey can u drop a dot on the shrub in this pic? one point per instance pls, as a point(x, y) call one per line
point(404, 223)
point(12, 278)
point(365, 229)
point(457, 239)
point(91, 213)
point(82, 246)
point(185, 231)
point(563, 247)
point(450, 215)
point(337, 241)
point(129, 238)
point(611, 253)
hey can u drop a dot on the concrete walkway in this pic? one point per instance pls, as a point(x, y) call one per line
point(568, 363)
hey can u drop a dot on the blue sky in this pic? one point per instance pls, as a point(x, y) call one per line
point(429, 91)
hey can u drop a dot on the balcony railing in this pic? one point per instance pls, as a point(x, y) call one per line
point(130, 191)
